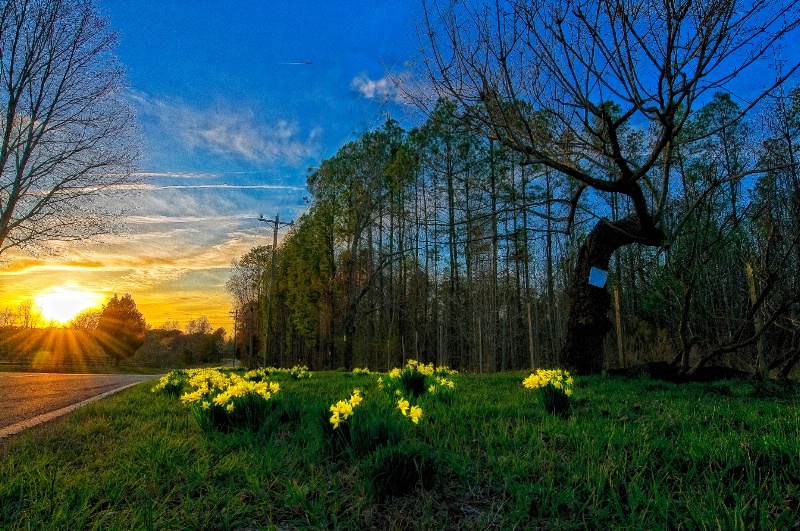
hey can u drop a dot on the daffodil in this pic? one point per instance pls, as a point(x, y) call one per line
point(403, 405)
point(221, 399)
point(415, 414)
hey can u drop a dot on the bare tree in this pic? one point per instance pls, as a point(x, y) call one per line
point(246, 287)
point(199, 326)
point(27, 313)
point(599, 91)
point(66, 135)
point(86, 320)
point(8, 317)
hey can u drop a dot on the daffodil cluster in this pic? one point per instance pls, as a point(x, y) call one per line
point(442, 382)
point(427, 370)
point(298, 372)
point(221, 398)
point(341, 410)
point(418, 378)
point(361, 370)
point(443, 388)
point(172, 383)
point(411, 412)
point(555, 387)
point(222, 390)
point(260, 374)
point(556, 378)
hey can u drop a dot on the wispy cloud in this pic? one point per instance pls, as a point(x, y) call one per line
point(222, 186)
point(178, 175)
point(385, 89)
point(231, 132)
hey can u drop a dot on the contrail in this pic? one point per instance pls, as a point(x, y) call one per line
point(297, 63)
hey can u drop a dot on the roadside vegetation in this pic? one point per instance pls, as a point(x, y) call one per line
point(631, 453)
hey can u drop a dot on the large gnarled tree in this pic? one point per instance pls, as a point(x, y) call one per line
point(599, 91)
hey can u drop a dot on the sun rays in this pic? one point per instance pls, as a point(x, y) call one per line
point(61, 304)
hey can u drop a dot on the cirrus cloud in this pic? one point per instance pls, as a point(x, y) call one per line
point(234, 133)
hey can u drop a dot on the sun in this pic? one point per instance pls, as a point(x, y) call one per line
point(62, 304)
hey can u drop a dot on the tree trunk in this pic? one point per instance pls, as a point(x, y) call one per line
point(588, 306)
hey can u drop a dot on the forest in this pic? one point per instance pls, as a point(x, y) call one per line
point(441, 245)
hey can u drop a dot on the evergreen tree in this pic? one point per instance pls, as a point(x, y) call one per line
point(121, 329)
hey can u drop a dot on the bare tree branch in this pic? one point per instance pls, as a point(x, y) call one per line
point(67, 138)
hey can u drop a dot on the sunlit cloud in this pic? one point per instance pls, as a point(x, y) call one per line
point(385, 89)
point(234, 132)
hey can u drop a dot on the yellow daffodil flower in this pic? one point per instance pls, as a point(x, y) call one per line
point(403, 405)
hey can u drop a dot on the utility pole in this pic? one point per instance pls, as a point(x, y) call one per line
point(276, 224)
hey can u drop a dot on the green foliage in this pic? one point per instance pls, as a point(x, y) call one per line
point(172, 383)
point(555, 401)
point(377, 425)
point(413, 382)
point(398, 470)
point(373, 423)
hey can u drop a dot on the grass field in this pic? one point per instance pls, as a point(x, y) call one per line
point(634, 454)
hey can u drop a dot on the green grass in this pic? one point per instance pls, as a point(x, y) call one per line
point(635, 454)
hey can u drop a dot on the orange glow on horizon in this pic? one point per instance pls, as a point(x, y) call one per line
point(62, 304)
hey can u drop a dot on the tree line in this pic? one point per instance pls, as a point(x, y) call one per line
point(585, 171)
point(441, 245)
point(117, 332)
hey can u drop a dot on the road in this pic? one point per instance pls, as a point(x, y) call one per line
point(27, 399)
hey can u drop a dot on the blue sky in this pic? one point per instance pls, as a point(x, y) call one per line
point(236, 100)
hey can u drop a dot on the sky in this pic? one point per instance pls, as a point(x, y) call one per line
point(236, 100)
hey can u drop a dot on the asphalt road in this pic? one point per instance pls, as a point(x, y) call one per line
point(29, 398)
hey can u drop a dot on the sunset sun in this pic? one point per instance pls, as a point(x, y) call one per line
point(62, 304)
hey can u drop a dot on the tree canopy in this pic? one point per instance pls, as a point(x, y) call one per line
point(121, 328)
